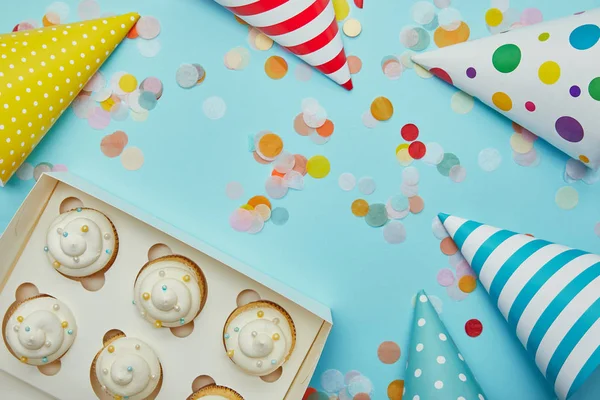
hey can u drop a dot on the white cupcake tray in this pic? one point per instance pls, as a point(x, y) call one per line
point(23, 260)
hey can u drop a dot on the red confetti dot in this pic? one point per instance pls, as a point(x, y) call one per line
point(443, 75)
point(359, 3)
point(309, 391)
point(473, 327)
point(409, 132)
point(530, 106)
point(417, 150)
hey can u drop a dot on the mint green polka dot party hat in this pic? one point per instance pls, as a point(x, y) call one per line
point(436, 370)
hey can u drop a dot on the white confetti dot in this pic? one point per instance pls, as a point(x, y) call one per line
point(347, 181)
point(214, 107)
point(489, 159)
point(366, 185)
point(132, 158)
point(462, 103)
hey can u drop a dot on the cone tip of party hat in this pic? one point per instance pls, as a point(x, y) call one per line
point(348, 85)
point(443, 217)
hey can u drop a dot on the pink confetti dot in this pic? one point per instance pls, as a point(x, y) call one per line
point(241, 220)
point(445, 277)
point(531, 16)
point(99, 119)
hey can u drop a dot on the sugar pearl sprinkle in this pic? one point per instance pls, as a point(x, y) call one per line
point(260, 314)
point(56, 307)
point(137, 346)
point(111, 349)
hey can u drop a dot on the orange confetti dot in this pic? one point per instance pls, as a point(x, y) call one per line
point(270, 145)
point(448, 246)
point(382, 108)
point(326, 129)
point(444, 38)
point(112, 145)
point(277, 173)
point(48, 18)
point(355, 64)
point(276, 67)
point(300, 165)
point(259, 159)
point(133, 33)
point(300, 126)
point(388, 352)
point(256, 200)
point(360, 207)
point(467, 283)
point(416, 204)
point(395, 389)
point(361, 396)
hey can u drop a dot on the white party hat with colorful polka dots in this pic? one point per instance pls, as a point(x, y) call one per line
point(544, 77)
point(436, 369)
point(306, 28)
point(550, 295)
point(41, 72)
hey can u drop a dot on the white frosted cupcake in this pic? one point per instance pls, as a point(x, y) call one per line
point(214, 392)
point(39, 330)
point(127, 368)
point(81, 242)
point(170, 291)
point(259, 337)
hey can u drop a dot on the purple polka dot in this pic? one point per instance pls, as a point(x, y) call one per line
point(569, 129)
point(471, 72)
point(575, 91)
point(530, 106)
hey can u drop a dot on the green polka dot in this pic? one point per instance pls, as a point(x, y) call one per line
point(544, 36)
point(594, 88)
point(377, 215)
point(506, 58)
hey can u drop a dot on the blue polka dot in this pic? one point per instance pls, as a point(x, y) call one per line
point(585, 36)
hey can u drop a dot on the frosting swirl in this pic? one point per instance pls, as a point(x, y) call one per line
point(128, 367)
point(40, 330)
point(169, 292)
point(259, 337)
point(81, 242)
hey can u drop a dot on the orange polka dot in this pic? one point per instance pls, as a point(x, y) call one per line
point(448, 246)
point(133, 33)
point(502, 101)
point(270, 145)
point(382, 108)
point(361, 396)
point(395, 389)
point(416, 204)
point(444, 38)
point(277, 173)
point(326, 129)
point(467, 283)
point(276, 67)
point(256, 200)
point(388, 352)
point(360, 207)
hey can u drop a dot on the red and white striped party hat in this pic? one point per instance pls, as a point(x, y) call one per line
point(307, 28)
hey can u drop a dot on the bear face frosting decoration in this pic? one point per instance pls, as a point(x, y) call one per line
point(128, 368)
point(40, 330)
point(259, 337)
point(81, 242)
point(170, 291)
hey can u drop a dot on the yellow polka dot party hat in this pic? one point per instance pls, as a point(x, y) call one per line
point(41, 72)
point(545, 77)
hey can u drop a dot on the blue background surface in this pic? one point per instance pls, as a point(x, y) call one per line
point(324, 251)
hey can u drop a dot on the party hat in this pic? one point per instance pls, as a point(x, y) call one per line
point(550, 294)
point(41, 72)
point(544, 77)
point(436, 369)
point(307, 28)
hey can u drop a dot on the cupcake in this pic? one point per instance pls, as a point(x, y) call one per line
point(214, 392)
point(170, 291)
point(81, 242)
point(39, 330)
point(127, 368)
point(259, 337)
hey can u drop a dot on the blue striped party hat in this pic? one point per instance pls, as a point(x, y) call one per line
point(550, 294)
point(436, 370)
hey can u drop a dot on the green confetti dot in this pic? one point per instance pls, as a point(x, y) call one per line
point(594, 88)
point(377, 215)
point(449, 161)
point(506, 58)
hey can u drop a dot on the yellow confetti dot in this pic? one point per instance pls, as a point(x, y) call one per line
point(502, 101)
point(519, 144)
point(404, 157)
point(186, 278)
point(263, 42)
point(341, 8)
point(493, 17)
point(318, 167)
point(107, 104)
point(352, 27)
point(584, 159)
point(111, 349)
point(20, 318)
point(401, 146)
point(467, 283)
point(382, 108)
point(360, 208)
point(247, 207)
point(128, 83)
point(64, 324)
point(549, 72)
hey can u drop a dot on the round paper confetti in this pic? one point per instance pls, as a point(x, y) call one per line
point(461, 103)
point(264, 211)
point(263, 42)
point(326, 130)
point(270, 145)
point(382, 109)
point(99, 118)
point(25, 172)
point(377, 215)
point(368, 120)
point(234, 190)
point(279, 216)
point(493, 17)
point(519, 144)
point(567, 197)
point(318, 167)
point(40, 169)
point(332, 381)
point(300, 164)
point(276, 67)
point(214, 107)
point(417, 150)
point(352, 27)
point(449, 160)
point(88, 9)
point(438, 228)
point(256, 200)
point(458, 173)
point(394, 232)
point(399, 202)
point(148, 27)
point(355, 64)
point(360, 208)
point(241, 220)
point(434, 154)
point(276, 187)
point(257, 225)
point(396, 214)
point(423, 12)
point(409, 132)
point(448, 246)
point(300, 126)
point(395, 390)
point(445, 277)
point(366, 185)
point(149, 48)
point(467, 283)
point(132, 158)
point(416, 204)
point(112, 145)
point(388, 352)
point(489, 159)
point(347, 181)
point(473, 327)
point(187, 76)
point(410, 176)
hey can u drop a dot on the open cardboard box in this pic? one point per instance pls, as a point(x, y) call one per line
point(187, 361)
